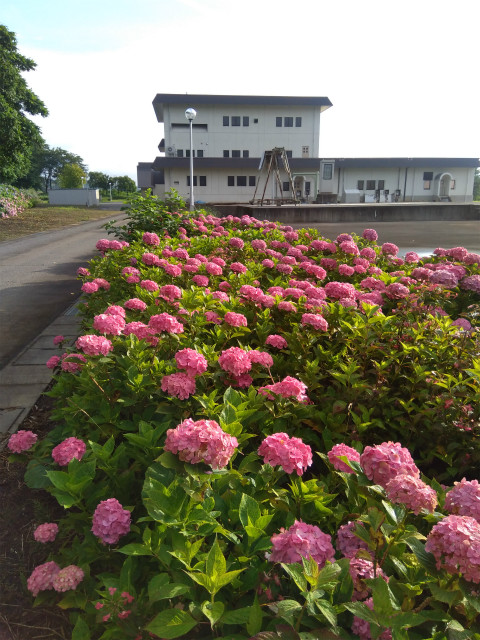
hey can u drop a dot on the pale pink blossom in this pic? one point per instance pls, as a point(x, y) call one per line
point(72, 362)
point(260, 357)
point(201, 441)
point(165, 322)
point(110, 521)
point(46, 532)
point(348, 543)
point(289, 387)
point(344, 450)
point(302, 540)
point(235, 319)
point(53, 362)
point(200, 281)
point(235, 360)
point(151, 239)
point(109, 324)
point(102, 283)
point(68, 578)
point(211, 316)
point(174, 270)
point(370, 234)
point(94, 345)
point(389, 249)
point(396, 291)
point(22, 440)
point(170, 292)
point(42, 577)
point(149, 285)
point(276, 341)
point(193, 362)
point(89, 287)
point(412, 492)
point(238, 267)
point(346, 270)
point(135, 304)
point(384, 461)
point(340, 290)
point(179, 385)
point(67, 450)
point(361, 569)
point(455, 544)
point(315, 320)
point(464, 499)
point(292, 454)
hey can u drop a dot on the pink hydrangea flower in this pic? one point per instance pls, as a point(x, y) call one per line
point(109, 324)
point(58, 340)
point(138, 329)
point(165, 322)
point(261, 357)
point(68, 578)
point(179, 385)
point(412, 492)
point(346, 270)
point(211, 316)
point(384, 461)
point(361, 569)
point(149, 285)
point(94, 345)
point(83, 271)
point(135, 304)
point(349, 247)
point(72, 362)
point(286, 305)
point(370, 234)
point(289, 387)
point(70, 448)
point(200, 281)
point(235, 319)
point(276, 341)
point(237, 243)
point(213, 269)
point(315, 320)
point(173, 270)
point(53, 362)
point(268, 264)
point(220, 295)
point(46, 532)
point(110, 521)
point(243, 381)
point(411, 257)
point(193, 362)
point(369, 253)
point(455, 544)
point(102, 283)
point(89, 287)
point(201, 441)
point(471, 283)
point(343, 450)
point(289, 453)
point(22, 441)
point(396, 291)
point(302, 540)
point(42, 577)
point(150, 259)
point(464, 499)
point(235, 361)
point(389, 249)
point(238, 267)
point(340, 290)
point(444, 277)
point(151, 239)
point(348, 543)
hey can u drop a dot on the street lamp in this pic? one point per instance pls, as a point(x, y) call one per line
point(110, 185)
point(190, 115)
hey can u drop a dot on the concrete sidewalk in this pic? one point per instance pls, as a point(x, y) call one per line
point(25, 378)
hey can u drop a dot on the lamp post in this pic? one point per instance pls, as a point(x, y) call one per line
point(110, 186)
point(190, 115)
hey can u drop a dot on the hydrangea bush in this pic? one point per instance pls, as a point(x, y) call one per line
point(13, 201)
point(278, 438)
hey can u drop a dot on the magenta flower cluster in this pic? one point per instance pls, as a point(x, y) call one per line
point(455, 544)
point(302, 540)
point(201, 441)
point(49, 576)
point(22, 440)
point(292, 454)
point(67, 450)
point(110, 521)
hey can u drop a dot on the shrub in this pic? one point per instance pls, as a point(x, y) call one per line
point(229, 466)
point(13, 201)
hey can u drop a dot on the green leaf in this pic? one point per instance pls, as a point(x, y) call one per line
point(215, 565)
point(238, 616)
point(156, 583)
point(327, 610)
point(328, 575)
point(171, 623)
point(361, 611)
point(295, 571)
point(427, 560)
point(286, 609)
point(384, 602)
point(80, 630)
point(249, 510)
point(135, 549)
point(36, 475)
point(448, 596)
point(254, 623)
point(213, 611)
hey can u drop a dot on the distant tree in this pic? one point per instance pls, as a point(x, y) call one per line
point(125, 184)
point(98, 180)
point(70, 177)
point(46, 164)
point(18, 134)
point(476, 185)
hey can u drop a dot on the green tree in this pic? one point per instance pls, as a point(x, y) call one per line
point(98, 180)
point(18, 134)
point(71, 176)
point(46, 165)
point(125, 184)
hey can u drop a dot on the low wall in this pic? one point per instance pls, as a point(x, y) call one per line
point(375, 212)
point(78, 197)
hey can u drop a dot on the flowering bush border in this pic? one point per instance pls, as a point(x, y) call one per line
point(247, 453)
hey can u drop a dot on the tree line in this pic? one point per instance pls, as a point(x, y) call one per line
point(26, 160)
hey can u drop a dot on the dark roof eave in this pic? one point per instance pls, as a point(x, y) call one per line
point(406, 162)
point(296, 164)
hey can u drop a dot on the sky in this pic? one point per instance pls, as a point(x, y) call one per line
point(403, 77)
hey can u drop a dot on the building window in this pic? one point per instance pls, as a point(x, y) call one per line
point(235, 153)
point(187, 153)
point(360, 185)
point(241, 181)
point(452, 184)
point(255, 121)
point(251, 181)
point(231, 181)
point(427, 185)
point(289, 153)
point(200, 153)
point(179, 153)
point(285, 186)
point(288, 121)
point(245, 153)
point(235, 121)
point(278, 121)
point(428, 175)
point(305, 152)
point(328, 171)
point(194, 181)
point(307, 188)
point(298, 121)
point(246, 121)
point(203, 181)
point(381, 185)
point(226, 121)
point(226, 153)
point(370, 185)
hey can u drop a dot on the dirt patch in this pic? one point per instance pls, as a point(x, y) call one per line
point(48, 218)
point(21, 510)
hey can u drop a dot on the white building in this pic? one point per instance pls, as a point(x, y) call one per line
point(231, 134)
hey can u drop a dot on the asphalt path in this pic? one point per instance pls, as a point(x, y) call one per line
point(38, 280)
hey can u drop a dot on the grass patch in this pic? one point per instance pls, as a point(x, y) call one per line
point(48, 218)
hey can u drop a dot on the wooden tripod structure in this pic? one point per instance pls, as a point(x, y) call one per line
point(270, 165)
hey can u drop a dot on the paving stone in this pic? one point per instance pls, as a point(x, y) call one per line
point(17, 375)
point(20, 395)
point(8, 418)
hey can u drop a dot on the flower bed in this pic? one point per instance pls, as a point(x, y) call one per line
point(259, 435)
point(13, 201)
